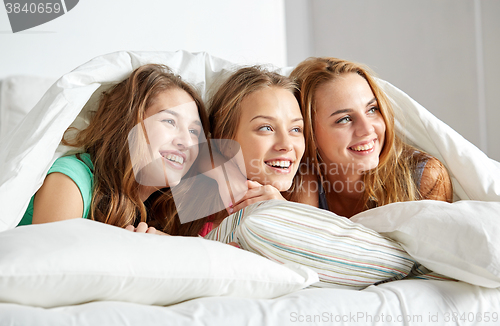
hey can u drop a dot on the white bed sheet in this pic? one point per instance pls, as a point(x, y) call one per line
point(406, 302)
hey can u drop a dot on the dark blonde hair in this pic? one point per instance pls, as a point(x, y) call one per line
point(225, 105)
point(115, 197)
point(393, 179)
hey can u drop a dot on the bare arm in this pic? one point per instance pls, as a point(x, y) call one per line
point(58, 199)
point(436, 183)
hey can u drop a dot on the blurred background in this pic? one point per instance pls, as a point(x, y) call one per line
point(445, 54)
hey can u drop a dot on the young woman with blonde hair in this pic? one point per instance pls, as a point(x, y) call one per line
point(110, 181)
point(355, 159)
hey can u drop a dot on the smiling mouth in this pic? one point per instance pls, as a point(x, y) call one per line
point(173, 158)
point(285, 165)
point(362, 148)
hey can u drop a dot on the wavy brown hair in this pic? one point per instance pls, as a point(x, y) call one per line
point(225, 106)
point(115, 197)
point(393, 180)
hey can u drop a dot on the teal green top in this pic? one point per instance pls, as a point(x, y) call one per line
point(80, 171)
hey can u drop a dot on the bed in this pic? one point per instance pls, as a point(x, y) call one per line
point(82, 272)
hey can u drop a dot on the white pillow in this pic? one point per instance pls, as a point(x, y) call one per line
point(78, 261)
point(459, 240)
point(18, 95)
point(343, 253)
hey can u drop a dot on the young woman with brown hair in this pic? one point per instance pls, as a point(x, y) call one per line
point(109, 181)
point(257, 108)
point(356, 160)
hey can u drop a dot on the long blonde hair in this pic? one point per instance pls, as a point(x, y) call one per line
point(393, 179)
point(115, 197)
point(225, 106)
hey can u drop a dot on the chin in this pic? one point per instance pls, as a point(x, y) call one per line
point(172, 180)
point(173, 184)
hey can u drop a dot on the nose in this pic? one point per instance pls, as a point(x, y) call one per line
point(183, 139)
point(364, 127)
point(283, 142)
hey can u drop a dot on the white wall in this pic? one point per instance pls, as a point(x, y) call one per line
point(442, 53)
point(239, 31)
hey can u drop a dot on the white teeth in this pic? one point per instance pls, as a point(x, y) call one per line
point(364, 147)
point(174, 158)
point(282, 164)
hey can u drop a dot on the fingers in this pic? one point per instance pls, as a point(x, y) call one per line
point(230, 209)
point(151, 230)
point(141, 228)
point(253, 184)
point(256, 195)
point(267, 191)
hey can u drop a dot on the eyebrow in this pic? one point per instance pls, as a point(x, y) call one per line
point(272, 118)
point(177, 115)
point(373, 100)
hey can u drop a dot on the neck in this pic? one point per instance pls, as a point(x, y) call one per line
point(344, 191)
point(346, 179)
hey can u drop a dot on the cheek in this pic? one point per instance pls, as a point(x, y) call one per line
point(250, 147)
point(252, 159)
point(158, 135)
point(300, 147)
point(381, 131)
point(194, 153)
point(329, 139)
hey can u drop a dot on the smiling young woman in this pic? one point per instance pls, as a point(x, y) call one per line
point(141, 141)
point(358, 160)
point(258, 109)
point(270, 135)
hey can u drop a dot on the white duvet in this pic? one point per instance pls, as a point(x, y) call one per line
point(458, 240)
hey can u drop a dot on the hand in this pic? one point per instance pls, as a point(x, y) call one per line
point(143, 228)
point(227, 171)
point(237, 183)
point(256, 193)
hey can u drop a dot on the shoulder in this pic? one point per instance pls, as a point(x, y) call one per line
point(58, 199)
point(78, 168)
point(74, 170)
point(435, 182)
point(434, 168)
point(80, 161)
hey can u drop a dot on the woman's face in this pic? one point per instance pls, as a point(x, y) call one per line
point(173, 128)
point(270, 133)
point(349, 128)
